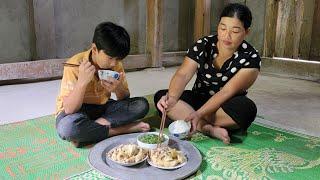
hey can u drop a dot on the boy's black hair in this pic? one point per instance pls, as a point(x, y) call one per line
point(114, 40)
point(240, 11)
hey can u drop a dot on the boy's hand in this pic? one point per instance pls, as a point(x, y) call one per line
point(111, 84)
point(86, 72)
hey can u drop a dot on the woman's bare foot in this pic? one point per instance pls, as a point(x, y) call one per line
point(217, 132)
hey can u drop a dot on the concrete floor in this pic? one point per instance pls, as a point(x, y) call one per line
point(286, 103)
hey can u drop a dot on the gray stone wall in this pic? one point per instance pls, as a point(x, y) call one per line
point(178, 25)
point(14, 31)
point(63, 28)
point(75, 21)
point(47, 29)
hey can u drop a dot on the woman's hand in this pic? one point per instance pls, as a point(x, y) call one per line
point(166, 102)
point(111, 84)
point(86, 72)
point(194, 118)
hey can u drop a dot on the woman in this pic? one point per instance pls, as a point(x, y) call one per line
point(226, 66)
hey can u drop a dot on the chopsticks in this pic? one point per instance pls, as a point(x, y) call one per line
point(71, 65)
point(77, 65)
point(163, 120)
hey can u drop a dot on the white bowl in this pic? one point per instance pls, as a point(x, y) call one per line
point(104, 74)
point(152, 146)
point(180, 129)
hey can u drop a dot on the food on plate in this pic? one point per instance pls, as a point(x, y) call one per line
point(127, 154)
point(167, 157)
point(151, 139)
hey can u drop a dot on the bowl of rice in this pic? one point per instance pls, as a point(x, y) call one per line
point(180, 129)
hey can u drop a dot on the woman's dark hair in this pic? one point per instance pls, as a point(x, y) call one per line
point(240, 11)
point(114, 40)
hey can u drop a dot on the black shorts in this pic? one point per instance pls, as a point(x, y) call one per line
point(240, 108)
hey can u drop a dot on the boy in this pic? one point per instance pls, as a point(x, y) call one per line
point(85, 113)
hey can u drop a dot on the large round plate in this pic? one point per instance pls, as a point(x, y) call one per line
point(97, 159)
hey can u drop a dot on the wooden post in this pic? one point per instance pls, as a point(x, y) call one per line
point(294, 28)
point(154, 32)
point(304, 21)
point(315, 39)
point(202, 18)
point(32, 35)
point(270, 27)
point(286, 28)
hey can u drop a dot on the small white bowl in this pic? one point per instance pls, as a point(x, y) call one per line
point(104, 74)
point(152, 146)
point(180, 129)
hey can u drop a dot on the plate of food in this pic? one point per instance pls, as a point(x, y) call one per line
point(167, 158)
point(98, 159)
point(127, 154)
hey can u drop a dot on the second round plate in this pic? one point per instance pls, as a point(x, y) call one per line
point(166, 168)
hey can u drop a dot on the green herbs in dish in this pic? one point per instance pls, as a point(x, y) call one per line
point(150, 139)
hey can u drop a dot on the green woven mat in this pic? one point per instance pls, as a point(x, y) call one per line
point(32, 150)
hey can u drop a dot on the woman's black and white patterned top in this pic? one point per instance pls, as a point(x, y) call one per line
point(210, 80)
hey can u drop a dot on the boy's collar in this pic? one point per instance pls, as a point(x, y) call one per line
point(90, 56)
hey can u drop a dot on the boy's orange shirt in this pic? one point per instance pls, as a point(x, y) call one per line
point(95, 93)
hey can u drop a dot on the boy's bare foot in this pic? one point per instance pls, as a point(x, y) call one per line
point(129, 128)
point(132, 127)
point(217, 132)
point(138, 127)
point(103, 121)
